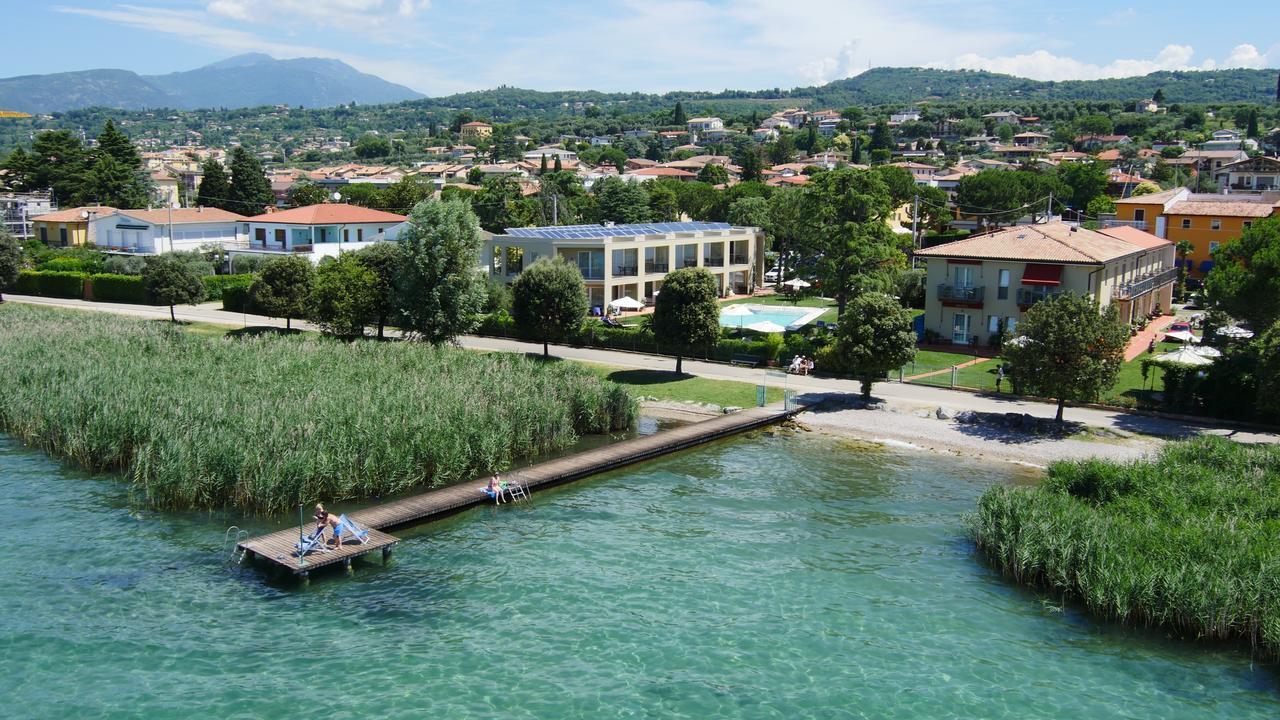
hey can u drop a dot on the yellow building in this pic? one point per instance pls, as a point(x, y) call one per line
point(1206, 220)
point(66, 228)
point(476, 130)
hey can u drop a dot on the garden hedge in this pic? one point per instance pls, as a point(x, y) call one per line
point(56, 283)
point(117, 288)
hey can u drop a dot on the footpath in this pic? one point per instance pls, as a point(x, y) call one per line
point(906, 396)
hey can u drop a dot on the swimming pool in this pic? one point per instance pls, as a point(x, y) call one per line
point(789, 318)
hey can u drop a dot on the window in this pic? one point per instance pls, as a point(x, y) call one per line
point(359, 234)
point(1186, 223)
point(1002, 293)
point(964, 276)
point(1215, 224)
point(280, 236)
point(1011, 324)
point(1213, 246)
point(1140, 215)
point(44, 235)
point(1247, 224)
point(993, 323)
point(346, 235)
point(260, 235)
point(960, 329)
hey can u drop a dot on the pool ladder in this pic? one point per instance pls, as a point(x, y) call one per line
point(231, 542)
point(518, 489)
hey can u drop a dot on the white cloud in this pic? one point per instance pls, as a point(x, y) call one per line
point(1117, 18)
point(1043, 65)
point(1245, 56)
point(326, 13)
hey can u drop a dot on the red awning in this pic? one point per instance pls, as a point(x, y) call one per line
point(1037, 274)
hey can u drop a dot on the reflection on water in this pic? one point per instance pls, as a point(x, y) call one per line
point(763, 577)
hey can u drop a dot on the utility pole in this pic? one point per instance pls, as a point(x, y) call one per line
point(915, 223)
point(555, 208)
point(1049, 218)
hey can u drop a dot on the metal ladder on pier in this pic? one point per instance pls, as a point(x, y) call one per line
point(231, 542)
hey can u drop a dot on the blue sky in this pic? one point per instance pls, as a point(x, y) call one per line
point(444, 46)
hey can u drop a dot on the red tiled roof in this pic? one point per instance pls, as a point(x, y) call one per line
point(1049, 243)
point(1134, 236)
point(181, 216)
point(73, 214)
point(327, 214)
point(663, 172)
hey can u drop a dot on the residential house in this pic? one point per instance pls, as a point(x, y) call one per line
point(1096, 142)
point(1003, 117)
point(164, 188)
point(601, 140)
point(1031, 139)
point(764, 134)
point(1210, 161)
point(1207, 221)
point(153, 232)
point(905, 116)
point(1229, 140)
point(68, 228)
point(550, 153)
point(650, 173)
point(704, 124)
point(1146, 106)
point(317, 231)
point(980, 285)
point(1255, 174)
point(18, 209)
point(633, 260)
point(920, 172)
point(476, 130)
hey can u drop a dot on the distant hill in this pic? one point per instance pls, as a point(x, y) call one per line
point(243, 81)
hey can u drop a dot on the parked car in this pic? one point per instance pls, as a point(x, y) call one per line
point(773, 275)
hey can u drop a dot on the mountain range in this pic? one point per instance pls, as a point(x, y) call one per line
point(246, 80)
point(255, 79)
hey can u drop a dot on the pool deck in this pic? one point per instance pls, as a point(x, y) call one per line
point(278, 548)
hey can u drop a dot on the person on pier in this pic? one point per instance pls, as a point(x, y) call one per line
point(324, 519)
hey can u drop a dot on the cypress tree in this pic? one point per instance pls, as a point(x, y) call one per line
point(250, 189)
point(215, 189)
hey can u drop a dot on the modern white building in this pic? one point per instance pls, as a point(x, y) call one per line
point(153, 232)
point(633, 260)
point(317, 231)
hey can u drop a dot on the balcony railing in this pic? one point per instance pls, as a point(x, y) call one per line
point(739, 260)
point(1140, 224)
point(957, 293)
point(625, 271)
point(713, 261)
point(1146, 284)
point(656, 267)
point(1031, 296)
point(591, 273)
point(689, 262)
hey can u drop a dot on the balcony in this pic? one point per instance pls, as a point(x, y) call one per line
point(1030, 296)
point(717, 261)
point(656, 267)
point(956, 294)
point(739, 260)
point(625, 271)
point(689, 262)
point(591, 273)
point(1145, 284)
point(1112, 222)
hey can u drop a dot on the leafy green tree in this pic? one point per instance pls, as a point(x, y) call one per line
point(1085, 180)
point(622, 201)
point(686, 317)
point(462, 117)
point(307, 193)
point(550, 299)
point(170, 280)
point(440, 293)
point(116, 144)
point(901, 184)
point(713, 174)
point(283, 287)
point(1099, 205)
point(998, 196)
point(215, 187)
point(1245, 279)
point(110, 183)
point(874, 336)
point(782, 150)
point(1095, 124)
point(344, 296)
point(371, 145)
point(786, 226)
point(935, 208)
point(250, 192)
point(10, 261)
point(664, 206)
point(882, 136)
point(1071, 351)
point(58, 161)
point(384, 260)
point(501, 204)
point(749, 212)
point(748, 158)
point(1183, 248)
point(1005, 133)
point(19, 169)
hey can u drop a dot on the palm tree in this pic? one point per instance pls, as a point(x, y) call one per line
point(1183, 248)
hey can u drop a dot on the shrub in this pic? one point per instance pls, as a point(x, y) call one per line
point(242, 264)
point(216, 285)
point(118, 288)
point(51, 284)
point(62, 264)
point(237, 298)
point(123, 265)
point(772, 344)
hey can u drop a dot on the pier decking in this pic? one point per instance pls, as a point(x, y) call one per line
point(278, 547)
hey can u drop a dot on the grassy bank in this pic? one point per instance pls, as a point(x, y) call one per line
point(681, 388)
point(1185, 542)
point(264, 421)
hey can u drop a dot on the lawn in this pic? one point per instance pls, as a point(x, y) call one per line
point(668, 386)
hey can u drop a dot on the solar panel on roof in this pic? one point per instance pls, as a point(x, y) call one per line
point(583, 232)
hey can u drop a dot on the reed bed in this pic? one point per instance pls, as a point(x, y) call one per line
point(261, 423)
point(1188, 541)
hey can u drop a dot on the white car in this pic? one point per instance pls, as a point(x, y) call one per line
point(773, 275)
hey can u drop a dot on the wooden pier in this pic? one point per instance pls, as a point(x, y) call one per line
point(279, 547)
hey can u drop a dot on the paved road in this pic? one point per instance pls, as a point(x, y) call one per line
point(908, 395)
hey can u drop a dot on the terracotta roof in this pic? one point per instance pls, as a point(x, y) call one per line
point(1134, 236)
point(182, 216)
point(476, 123)
point(1109, 155)
point(663, 172)
point(73, 214)
point(1222, 208)
point(1052, 242)
point(1159, 198)
point(327, 214)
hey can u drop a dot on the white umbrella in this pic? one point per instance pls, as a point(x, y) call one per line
point(1235, 331)
point(1185, 356)
point(626, 302)
point(736, 311)
point(1018, 341)
point(1180, 336)
point(1207, 351)
point(796, 283)
point(766, 326)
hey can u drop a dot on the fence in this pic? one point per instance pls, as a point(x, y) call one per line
point(941, 373)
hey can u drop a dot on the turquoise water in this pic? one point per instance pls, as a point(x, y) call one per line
point(789, 318)
point(757, 578)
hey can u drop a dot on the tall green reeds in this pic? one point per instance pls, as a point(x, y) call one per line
point(1188, 541)
point(264, 422)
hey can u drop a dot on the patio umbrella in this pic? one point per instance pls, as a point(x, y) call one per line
point(1235, 332)
point(1207, 351)
point(1185, 356)
point(1180, 336)
point(626, 302)
point(766, 326)
point(796, 283)
point(736, 311)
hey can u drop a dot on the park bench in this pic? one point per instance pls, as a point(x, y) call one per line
point(745, 359)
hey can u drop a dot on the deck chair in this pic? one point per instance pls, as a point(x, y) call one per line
point(351, 530)
point(311, 543)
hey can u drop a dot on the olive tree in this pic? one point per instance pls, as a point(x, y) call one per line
point(686, 316)
point(283, 287)
point(874, 336)
point(171, 280)
point(550, 299)
point(1068, 349)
